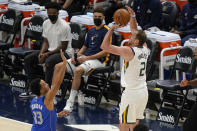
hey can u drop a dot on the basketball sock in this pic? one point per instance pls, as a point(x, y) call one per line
point(73, 94)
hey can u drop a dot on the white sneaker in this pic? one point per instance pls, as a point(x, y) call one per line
point(69, 106)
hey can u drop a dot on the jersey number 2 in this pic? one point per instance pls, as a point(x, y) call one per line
point(142, 70)
point(38, 117)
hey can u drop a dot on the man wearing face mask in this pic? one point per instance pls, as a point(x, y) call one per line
point(89, 57)
point(188, 26)
point(148, 12)
point(57, 35)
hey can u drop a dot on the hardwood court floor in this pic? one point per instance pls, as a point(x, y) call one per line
point(15, 115)
point(13, 125)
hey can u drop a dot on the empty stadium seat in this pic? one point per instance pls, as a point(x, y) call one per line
point(172, 92)
point(34, 33)
point(78, 32)
point(9, 24)
point(154, 48)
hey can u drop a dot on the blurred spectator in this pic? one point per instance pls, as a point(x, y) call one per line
point(57, 35)
point(148, 12)
point(115, 4)
point(188, 27)
point(41, 2)
point(72, 6)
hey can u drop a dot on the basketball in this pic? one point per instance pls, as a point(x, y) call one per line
point(121, 17)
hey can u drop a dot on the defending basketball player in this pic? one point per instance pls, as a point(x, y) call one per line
point(133, 75)
point(42, 106)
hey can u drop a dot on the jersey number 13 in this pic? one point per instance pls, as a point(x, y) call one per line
point(38, 117)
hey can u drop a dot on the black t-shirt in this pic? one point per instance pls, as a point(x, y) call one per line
point(41, 2)
point(75, 6)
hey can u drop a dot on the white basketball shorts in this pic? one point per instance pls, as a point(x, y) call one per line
point(132, 106)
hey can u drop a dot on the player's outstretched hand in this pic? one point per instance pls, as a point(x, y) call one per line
point(62, 56)
point(63, 113)
point(115, 26)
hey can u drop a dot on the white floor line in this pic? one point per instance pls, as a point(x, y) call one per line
point(100, 127)
point(7, 124)
point(15, 121)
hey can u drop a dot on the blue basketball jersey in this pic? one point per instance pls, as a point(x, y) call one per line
point(44, 119)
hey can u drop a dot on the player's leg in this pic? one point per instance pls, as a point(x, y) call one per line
point(127, 114)
point(141, 103)
point(123, 127)
point(128, 127)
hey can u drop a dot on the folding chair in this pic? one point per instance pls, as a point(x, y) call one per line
point(154, 47)
point(78, 35)
point(9, 24)
point(174, 97)
point(34, 33)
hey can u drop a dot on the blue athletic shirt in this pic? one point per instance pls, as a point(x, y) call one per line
point(44, 119)
point(94, 40)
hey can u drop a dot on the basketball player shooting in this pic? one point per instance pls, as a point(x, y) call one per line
point(133, 75)
point(42, 106)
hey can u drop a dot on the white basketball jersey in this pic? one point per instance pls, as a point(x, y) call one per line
point(133, 75)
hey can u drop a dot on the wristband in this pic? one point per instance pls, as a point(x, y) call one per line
point(132, 16)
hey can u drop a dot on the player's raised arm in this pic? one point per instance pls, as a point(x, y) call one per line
point(123, 51)
point(58, 76)
point(133, 21)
